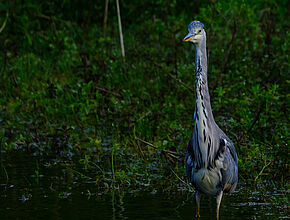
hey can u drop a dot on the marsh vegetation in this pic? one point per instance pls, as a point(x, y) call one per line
point(76, 115)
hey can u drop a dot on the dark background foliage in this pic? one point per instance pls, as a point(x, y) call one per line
point(65, 91)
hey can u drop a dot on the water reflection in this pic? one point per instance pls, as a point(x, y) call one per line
point(40, 203)
point(55, 195)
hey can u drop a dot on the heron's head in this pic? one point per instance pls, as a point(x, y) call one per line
point(196, 32)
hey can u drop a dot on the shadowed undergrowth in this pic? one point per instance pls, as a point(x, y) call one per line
point(66, 95)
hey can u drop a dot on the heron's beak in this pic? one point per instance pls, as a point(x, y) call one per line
point(188, 37)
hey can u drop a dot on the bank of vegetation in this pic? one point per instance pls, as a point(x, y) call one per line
point(67, 95)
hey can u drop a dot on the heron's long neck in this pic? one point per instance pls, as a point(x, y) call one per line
point(204, 121)
point(202, 98)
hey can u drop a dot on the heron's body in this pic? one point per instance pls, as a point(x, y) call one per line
point(211, 159)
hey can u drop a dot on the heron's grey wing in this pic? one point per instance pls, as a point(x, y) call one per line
point(232, 149)
point(189, 159)
point(229, 170)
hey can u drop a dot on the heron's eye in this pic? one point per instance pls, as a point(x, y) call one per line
point(199, 31)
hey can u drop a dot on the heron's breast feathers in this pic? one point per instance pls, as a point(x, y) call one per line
point(216, 172)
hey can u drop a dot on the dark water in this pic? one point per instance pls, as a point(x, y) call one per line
point(50, 193)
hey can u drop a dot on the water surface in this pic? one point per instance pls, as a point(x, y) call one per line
point(46, 192)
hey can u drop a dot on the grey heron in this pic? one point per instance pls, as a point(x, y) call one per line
point(211, 159)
